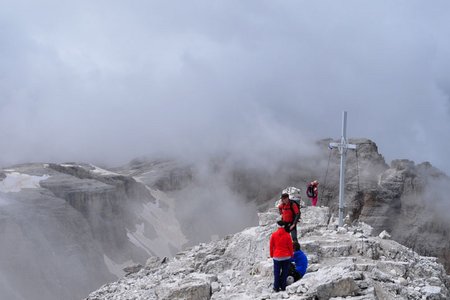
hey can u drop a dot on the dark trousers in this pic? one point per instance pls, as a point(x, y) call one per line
point(293, 272)
point(294, 234)
point(280, 273)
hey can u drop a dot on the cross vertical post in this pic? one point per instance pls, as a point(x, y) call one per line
point(342, 147)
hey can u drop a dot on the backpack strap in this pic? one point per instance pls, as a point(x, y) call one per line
point(296, 216)
point(309, 190)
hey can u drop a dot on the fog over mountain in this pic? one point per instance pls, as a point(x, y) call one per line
point(206, 109)
point(68, 228)
point(107, 81)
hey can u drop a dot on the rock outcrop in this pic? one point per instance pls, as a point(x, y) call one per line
point(345, 262)
point(408, 201)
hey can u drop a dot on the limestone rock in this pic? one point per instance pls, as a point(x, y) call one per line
point(384, 235)
point(346, 265)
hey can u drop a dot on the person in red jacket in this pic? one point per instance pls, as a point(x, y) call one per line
point(290, 213)
point(281, 250)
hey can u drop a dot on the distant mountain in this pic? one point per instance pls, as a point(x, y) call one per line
point(68, 228)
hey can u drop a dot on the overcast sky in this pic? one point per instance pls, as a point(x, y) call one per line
point(106, 81)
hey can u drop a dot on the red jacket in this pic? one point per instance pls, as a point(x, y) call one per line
point(286, 212)
point(281, 244)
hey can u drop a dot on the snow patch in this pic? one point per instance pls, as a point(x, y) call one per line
point(115, 268)
point(101, 171)
point(15, 182)
point(164, 223)
point(69, 165)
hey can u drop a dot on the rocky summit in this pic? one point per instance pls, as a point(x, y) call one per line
point(344, 262)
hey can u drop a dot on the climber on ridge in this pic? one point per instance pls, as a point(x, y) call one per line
point(290, 213)
point(312, 191)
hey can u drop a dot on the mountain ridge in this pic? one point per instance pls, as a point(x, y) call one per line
point(344, 262)
point(104, 219)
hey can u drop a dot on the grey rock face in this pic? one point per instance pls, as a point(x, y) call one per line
point(68, 228)
point(164, 175)
point(406, 204)
point(48, 250)
point(107, 201)
point(346, 265)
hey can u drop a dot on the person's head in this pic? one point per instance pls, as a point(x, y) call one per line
point(285, 198)
point(296, 246)
point(281, 223)
point(315, 182)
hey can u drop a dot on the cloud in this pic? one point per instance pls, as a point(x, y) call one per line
point(106, 81)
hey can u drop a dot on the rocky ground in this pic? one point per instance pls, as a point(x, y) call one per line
point(346, 262)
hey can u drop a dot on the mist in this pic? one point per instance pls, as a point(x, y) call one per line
point(105, 82)
point(254, 83)
point(435, 198)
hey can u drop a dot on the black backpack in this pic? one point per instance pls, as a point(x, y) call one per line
point(310, 191)
point(293, 272)
point(292, 202)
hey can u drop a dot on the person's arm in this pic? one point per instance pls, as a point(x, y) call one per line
point(271, 246)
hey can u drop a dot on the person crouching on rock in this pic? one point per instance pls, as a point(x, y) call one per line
point(299, 264)
point(281, 250)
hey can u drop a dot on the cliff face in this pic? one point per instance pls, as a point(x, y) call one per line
point(346, 262)
point(109, 202)
point(407, 202)
point(68, 228)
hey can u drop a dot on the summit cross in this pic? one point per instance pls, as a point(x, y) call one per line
point(343, 146)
